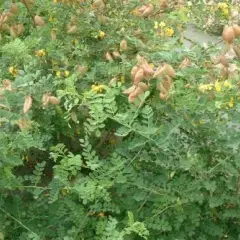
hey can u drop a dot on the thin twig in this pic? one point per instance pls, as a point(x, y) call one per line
point(138, 210)
point(163, 210)
point(20, 223)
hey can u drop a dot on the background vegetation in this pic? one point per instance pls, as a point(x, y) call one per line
point(110, 128)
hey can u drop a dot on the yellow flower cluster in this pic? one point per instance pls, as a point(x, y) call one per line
point(164, 31)
point(66, 73)
point(218, 86)
point(205, 87)
point(40, 53)
point(231, 102)
point(98, 88)
point(52, 19)
point(13, 71)
point(122, 79)
point(101, 34)
point(224, 8)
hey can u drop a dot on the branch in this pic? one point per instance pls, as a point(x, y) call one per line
point(28, 10)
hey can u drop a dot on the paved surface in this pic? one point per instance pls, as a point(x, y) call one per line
point(192, 34)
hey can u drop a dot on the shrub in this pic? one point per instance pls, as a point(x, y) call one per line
point(111, 129)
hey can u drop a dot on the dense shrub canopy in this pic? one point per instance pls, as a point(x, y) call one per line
point(112, 127)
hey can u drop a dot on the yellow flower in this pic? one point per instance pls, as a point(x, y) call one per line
point(156, 25)
point(74, 41)
point(112, 141)
point(151, 65)
point(65, 191)
point(101, 34)
point(222, 5)
point(205, 87)
point(122, 79)
point(58, 74)
point(225, 11)
point(98, 88)
point(135, 12)
point(52, 19)
point(101, 214)
point(231, 102)
point(162, 24)
point(13, 71)
point(40, 53)
point(169, 31)
point(66, 73)
point(227, 84)
point(218, 86)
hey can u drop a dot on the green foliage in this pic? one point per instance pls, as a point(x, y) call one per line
point(81, 160)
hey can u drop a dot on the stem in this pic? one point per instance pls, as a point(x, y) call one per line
point(28, 10)
point(20, 223)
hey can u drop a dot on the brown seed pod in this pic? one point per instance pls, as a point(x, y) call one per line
point(45, 99)
point(236, 29)
point(143, 86)
point(16, 30)
point(81, 69)
point(223, 60)
point(99, 4)
point(24, 123)
point(185, 63)
point(53, 100)
point(27, 104)
point(163, 4)
point(142, 8)
point(228, 34)
point(129, 90)
point(136, 92)
point(108, 57)
point(163, 96)
point(142, 63)
point(12, 31)
point(7, 85)
point(165, 87)
point(112, 82)
point(13, 8)
point(71, 29)
point(39, 21)
point(5, 17)
point(116, 55)
point(148, 11)
point(123, 45)
point(166, 70)
point(139, 76)
point(131, 99)
point(134, 71)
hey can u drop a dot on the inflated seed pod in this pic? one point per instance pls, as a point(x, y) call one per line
point(228, 34)
point(39, 21)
